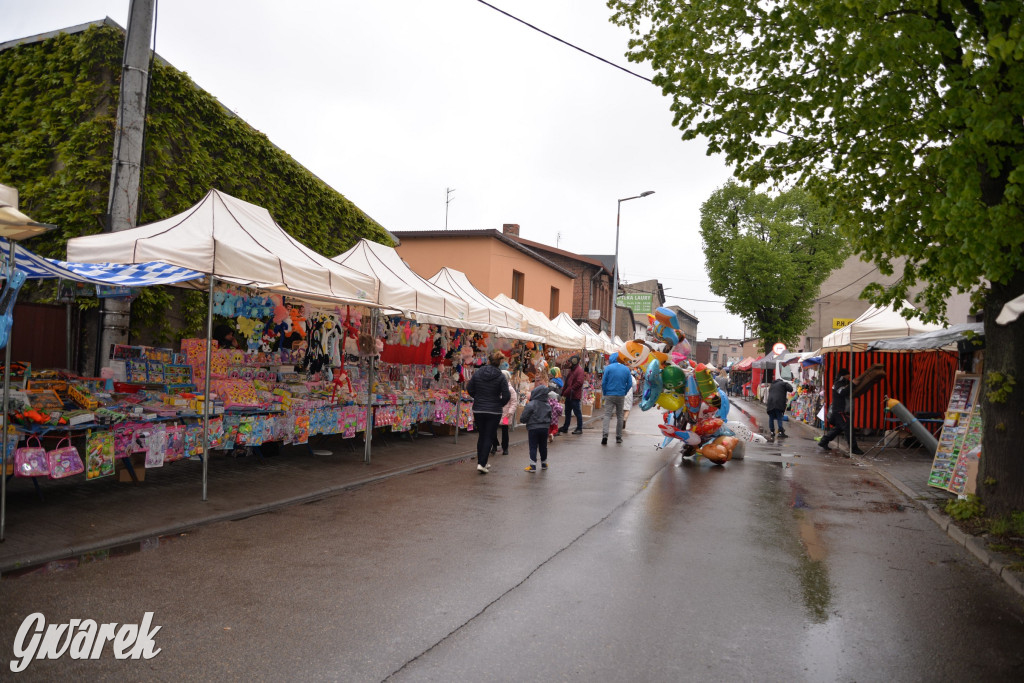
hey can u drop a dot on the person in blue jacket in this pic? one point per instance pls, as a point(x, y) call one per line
point(615, 383)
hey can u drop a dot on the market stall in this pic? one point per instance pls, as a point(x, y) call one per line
point(921, 381)
point(466, 330)
point(236, 242)
point(34, 400)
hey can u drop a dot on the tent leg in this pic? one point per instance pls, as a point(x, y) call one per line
point(849, 436)
point(67, 348)
point(206, 385)
point(7, 394)
point(370, 380)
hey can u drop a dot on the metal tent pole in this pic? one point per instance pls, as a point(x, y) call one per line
point(849, 436)
point(7, 393)
point(370, 379)
point(206, 383)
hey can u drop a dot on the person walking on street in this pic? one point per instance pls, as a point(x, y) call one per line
point(627, 405)
point(508, 414)
point(839, 413)
point(537, 418)
point(572, 392)
point(490, 392)
point(615, 382)
point(776, 405)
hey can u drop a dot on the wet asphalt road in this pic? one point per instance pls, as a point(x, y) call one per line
point(620, 563)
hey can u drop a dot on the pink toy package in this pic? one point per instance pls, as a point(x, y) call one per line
point(30, 460)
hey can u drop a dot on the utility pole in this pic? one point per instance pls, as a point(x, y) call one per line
point(126, 171)
point(447, 200)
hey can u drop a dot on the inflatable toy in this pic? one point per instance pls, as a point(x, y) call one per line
point(652, 385)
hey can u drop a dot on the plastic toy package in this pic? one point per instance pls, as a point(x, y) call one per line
point(31, 460)
point(65, 461)
point(99, 454)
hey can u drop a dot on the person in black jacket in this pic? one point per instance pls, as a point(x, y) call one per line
point(776, 405)
point(490, 393)
point(839, 413)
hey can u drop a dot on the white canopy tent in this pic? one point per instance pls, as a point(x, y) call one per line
point(234, 241)
point(590, 342)
point(482, 308)
point(540, 324)
point(403, 289)
point(231, 240)
point(874, 324)
point(605, 344)
point(609, 344)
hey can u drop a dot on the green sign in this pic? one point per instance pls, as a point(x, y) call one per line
point(641, 303)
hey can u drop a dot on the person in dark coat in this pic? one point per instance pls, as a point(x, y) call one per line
point(490, 393)
point(776, 405)
point(572, 392)
point(537, 418)
point(839, 413)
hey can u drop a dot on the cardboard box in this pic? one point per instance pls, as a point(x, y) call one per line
point(587, 410)
point(138, 463)
point(972, 477)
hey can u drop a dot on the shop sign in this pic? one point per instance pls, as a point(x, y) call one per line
point(594, 314)
point(114, 292)
point(640, 302)
point(838, 323)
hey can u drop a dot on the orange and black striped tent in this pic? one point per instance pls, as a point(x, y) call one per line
point(921, 381)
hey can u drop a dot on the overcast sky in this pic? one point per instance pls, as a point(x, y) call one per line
point(393, 102)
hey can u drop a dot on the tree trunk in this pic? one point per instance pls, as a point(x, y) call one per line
point(1001, 471)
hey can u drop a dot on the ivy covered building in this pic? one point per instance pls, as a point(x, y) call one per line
point(59, 95)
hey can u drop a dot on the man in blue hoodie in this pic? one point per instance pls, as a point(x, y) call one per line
point(614, 385)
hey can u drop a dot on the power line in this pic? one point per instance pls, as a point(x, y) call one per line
point(849, 285)
point(564, 42)
point(703, 301)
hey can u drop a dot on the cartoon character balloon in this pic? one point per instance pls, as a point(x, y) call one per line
point(636, 352)
point(664, 326)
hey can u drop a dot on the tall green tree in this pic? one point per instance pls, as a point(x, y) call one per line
point(907, 114)
point(767, 256)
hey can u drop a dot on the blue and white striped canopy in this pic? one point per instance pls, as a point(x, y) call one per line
point(130, 275)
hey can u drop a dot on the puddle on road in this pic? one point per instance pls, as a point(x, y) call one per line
point(67, 563)
point(795, 531)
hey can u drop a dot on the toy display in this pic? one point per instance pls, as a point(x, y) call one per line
point(278, 370)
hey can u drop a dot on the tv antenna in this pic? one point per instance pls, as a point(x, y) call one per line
point(447, 200)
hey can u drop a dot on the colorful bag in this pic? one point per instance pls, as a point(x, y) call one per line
point(65, 461)
point(30, 460)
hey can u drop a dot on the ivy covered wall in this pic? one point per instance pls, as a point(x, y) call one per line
point(59, 103)
point(59, 99)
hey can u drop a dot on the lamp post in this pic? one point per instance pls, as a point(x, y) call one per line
point(615, 275)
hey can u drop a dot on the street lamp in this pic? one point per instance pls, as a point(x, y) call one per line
point(615, 275)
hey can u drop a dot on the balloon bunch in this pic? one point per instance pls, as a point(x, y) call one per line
point(695, 408)
point(663, 325)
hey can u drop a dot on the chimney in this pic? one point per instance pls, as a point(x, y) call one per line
point(510, 229)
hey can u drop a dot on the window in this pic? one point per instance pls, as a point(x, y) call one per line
point(554, 302)
point(518, 285)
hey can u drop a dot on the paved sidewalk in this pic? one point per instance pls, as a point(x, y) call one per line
point(907, 470)
point(69, 521)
